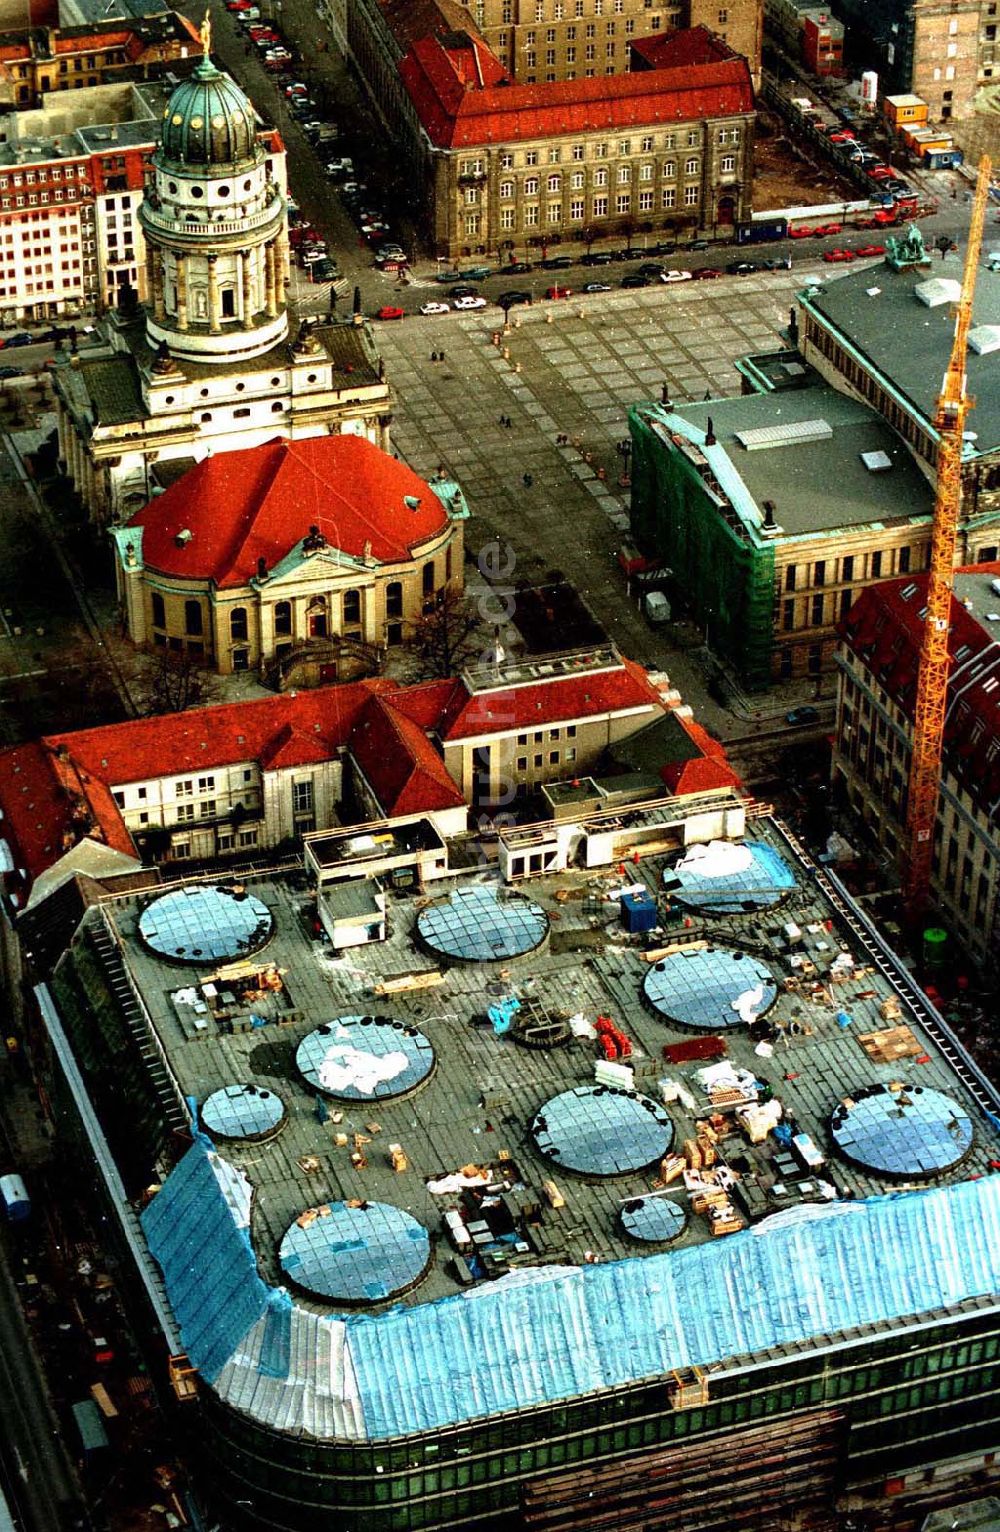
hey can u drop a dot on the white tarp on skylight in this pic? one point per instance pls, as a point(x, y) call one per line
point(938, 290)
point(984, 338)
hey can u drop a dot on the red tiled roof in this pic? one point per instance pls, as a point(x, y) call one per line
point(463, 98)
point(242, 507)
point(884, 629)
point(399, 762)
point(588, 695)
point(49, 805)
point(686, 49)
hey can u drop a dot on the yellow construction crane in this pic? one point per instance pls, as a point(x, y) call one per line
point(953, 406)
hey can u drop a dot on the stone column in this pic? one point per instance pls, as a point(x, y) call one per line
point(243, 264)
point(154, 281)
point(283, 267)
point(213, 295)
point(180, 270)
point(270, 299)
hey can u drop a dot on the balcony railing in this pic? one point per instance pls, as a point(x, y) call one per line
point(223, 227)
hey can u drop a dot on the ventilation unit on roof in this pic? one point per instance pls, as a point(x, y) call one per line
point(795, 434)
point(876, 462)
point(412, 502)
point(938, 290)
point(769, 526)
point(183, 537)
point(984, 338)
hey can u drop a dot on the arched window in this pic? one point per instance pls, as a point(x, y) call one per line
point(352, 608)
point(394, 599)
point(282, 617)
point(238, 623)
point(159, 611)
point(193, 618)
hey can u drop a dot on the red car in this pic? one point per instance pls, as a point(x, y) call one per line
point(801, 233)
point(864, 250)
point(705, 273)
point(879, 173)
point(558, 292)
point(823, 229)
point(390, 313)
point(838, 255)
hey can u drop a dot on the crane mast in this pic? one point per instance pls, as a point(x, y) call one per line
point(953, 406)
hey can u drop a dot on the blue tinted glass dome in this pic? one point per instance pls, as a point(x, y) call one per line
point(209, 121)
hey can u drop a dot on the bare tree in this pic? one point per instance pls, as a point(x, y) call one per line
point(170, 681)
point(445, 637)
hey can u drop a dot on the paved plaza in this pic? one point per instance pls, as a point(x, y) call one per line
point(576, 378)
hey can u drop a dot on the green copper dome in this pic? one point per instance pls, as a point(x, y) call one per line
point(208, 121)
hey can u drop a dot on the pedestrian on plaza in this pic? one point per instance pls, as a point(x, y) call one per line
point(434, 356)
point(510, 424)
point(527, 480)
point(441, 356)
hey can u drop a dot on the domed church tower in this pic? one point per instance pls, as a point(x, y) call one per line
point(215, 227)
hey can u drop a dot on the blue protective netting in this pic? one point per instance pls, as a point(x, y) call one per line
point(206, 1259)
point(549, 1334)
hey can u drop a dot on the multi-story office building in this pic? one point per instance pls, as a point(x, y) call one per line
point(878, 663)
point(942, 50)
point(504, 166)
point(558, 1265)
point(35, 63)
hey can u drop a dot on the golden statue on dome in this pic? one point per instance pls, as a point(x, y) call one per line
point(206, 33)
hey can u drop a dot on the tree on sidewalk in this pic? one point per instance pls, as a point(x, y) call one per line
point(169, 682)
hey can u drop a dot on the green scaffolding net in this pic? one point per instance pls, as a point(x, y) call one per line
point(725, 578)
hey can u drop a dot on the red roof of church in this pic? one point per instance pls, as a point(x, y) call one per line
point(241, 507)
point(465, 97)
point(402, 767)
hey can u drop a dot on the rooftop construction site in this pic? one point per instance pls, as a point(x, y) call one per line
point(625, 1126)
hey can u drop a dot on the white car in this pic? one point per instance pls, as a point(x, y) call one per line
point(436, 308)
point(471, 301)
point(675, 276)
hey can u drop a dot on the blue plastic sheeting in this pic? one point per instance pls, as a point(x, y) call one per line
point(550, 1333)
point(196, 1230)
point(789, 1282)
point(276, 1347)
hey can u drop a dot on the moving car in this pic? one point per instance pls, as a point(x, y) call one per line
point(651, 269)
point(596, 287)
point(390, 312)
point(800, 716)
point(435, 308)
point(675, 276)
point(516, 295)
point(449, 276)
point(470, 301)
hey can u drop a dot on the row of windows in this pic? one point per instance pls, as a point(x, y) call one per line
point(51, 173)
point(599, 175)
point(556, 214)
point(555, 154)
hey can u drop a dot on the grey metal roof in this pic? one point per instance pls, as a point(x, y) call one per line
point(816, 486)
point(877, 311)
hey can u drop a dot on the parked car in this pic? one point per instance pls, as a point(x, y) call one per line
point(799, 716)
point(435, 308)
point(11, 372)
point(477, 273)
point(596, 287)
point(635, 279)
point(864, 251)
point(463, 290)
point(822, 230)
point(20, 338)
point(675, 276)
point(596, 258)
point(515, 295)
point(803, 233)
point(742, 268)
point(558, 292)
point(651, 269)
point(449, 276)
point(838, 255)
point(390, 312)
point(515, 269)
point(470, 301)
point(705, 273)
point(323, 271)
point(696, 244)
point(340, 167)
point(557, 262)
point(879, 173)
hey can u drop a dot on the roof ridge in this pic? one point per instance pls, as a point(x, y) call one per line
point(253, 504)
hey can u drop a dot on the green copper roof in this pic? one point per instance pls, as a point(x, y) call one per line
point(209, 121)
